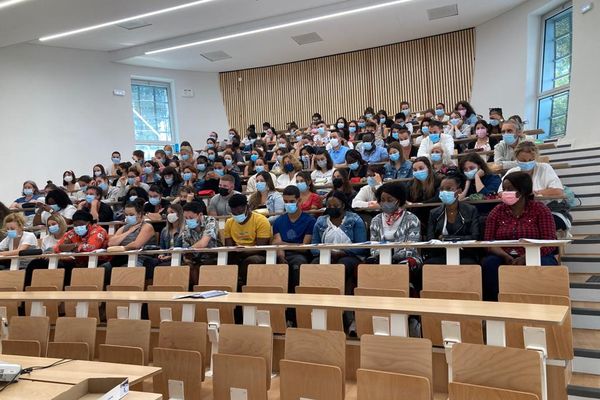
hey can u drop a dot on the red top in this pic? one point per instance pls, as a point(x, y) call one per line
point(535, 223)
point(313, 200)
point(96, 238)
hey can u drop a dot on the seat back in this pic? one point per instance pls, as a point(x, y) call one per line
point(129, 279)
point(74, 338)
point(244, 361)
point(463, 391)
point(179, 335)
point(552, 281)
point(85, 279)
point(497, 367)
point(27, 336)
point(453, 282)
point(171, 276)
point(127, 342)
point(378, 280)
point(270, 278)
point(168, 279)
point(46, 280)
point(11, 281)
point(217, 277)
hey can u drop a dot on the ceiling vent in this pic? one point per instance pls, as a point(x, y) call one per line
point(216, 56)
point(134, 24)
point(307, 38)
point(442, 12)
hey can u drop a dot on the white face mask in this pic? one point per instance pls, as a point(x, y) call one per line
point(405, 143)
point(172, 218)
point(68, 178)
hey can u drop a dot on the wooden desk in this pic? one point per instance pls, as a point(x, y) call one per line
point(26, 389)
point(76, 371)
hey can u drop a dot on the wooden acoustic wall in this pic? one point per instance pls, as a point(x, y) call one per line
point(423, 71)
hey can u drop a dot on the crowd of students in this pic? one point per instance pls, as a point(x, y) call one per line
point(298, 186)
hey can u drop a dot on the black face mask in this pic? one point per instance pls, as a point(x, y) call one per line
point(224, 192)
point(119, 172)
point(333, 212)
point(337, 183)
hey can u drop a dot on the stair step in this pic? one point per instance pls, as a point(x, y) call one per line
point(587, 226)
point(586, 305)
point(582, 169)
point(582, 263)
point(584, 386)
point(584, 246)
point(588, 341)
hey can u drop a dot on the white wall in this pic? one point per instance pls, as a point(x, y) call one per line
point(57, 111)
point(507, 66)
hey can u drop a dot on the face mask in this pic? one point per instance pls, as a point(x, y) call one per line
point(220, 171)
point(371, 181)
point(240, 218)
point(402, 123)
point(425, 130)
point(160, 160)
point(80, 230)
point(53, 229)
point(322, 164)
point(291, 208)
point(28, 192)
point(340, 125)
point(447, 197)
point(132, 198)
point(352, 129)
point(367, 146)
point(454, 121)
point(201, 167)
point(169, 181)
point(130, 219)
point(321, 130)
point(116, 160)
point(369, 115)
point(405, 143)
point(187, 176)
point(55, 207)
point(228, 162)
point(527, 166)
point(395, 157)
point(381, 120)
point(406, 111)
point(154, 201)
point(462, 113)
point(103, 186)
point(362, 124)
point(261, 186)
point(333, 212)
point(305, 158)
point(224, 192)
point(68, 178)
point(185, 157)
point(337, 182)
point(97, 173)
point(259, 168)
point(436, 157)
point(509, 138)
point(11, 234)
point(210, 146)
point(354, 166)
point(435, 137)
point(288, 167)
point(395, 135)
point(439, 112)
point(211, 157)
point(191, 223)
point(334, 142)
point(389, 208)
point(494, 122)
point(130, 181)
point(172, 218)
point(90, 198)
point(471, 174)
point(421, 175)
point(509, 198)
point(254, 157)
point(148, 170)
point(83, 188)
point(298, 138)
point(481, 133)
point(302, 186)
point(168, 152)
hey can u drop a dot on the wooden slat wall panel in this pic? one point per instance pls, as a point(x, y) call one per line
point(422, 71)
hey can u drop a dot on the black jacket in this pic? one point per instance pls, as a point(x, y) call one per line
point(467, 219)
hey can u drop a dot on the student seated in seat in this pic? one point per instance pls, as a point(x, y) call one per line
point(290, 167)
point(440, 160)
point(246, 228)
point(219, 204)
point(57, 201)
point(101, 212)
point(399, 167)
point(294, 227)
point(323, 168)
point(366, 195)
point(266, 196)
point(483, 141)
point(357, 167)
point(481, 181)
point(435, 136)
point(309, 199)
point(31, 194)
point(17, 239)
point(371, 152)
point(171, 182)
point(520, 216)
point(170, 236)
point(504, 151)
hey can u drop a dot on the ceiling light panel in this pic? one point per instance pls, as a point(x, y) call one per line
point(8, 3)
point(307, 38)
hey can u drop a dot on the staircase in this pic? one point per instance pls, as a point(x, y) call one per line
point(583, 259)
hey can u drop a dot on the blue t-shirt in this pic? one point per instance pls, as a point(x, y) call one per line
point(338, 156)
point(294, 232)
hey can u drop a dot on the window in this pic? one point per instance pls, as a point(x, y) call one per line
point(152, 115)
point(553, 98)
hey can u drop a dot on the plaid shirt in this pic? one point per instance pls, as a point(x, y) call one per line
point(535, 223)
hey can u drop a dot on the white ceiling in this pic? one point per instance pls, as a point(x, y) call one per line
point(27, 21)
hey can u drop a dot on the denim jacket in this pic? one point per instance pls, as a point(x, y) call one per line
point(352, 225)
point(405, 170)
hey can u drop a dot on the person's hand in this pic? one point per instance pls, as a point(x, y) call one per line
point(190, 197)
point(44, 207)
point(81, 204)
point(373, 204)
point(519, 260)
point(164, 257)
point(480, 173)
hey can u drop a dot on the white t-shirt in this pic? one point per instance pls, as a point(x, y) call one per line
point(28, 238)
point(322, 177)
point(543, 177)
point(66, 213)
point(48, 243)
point(364, 196)
point(446, 141)
point(284, 181)
point(251, 185)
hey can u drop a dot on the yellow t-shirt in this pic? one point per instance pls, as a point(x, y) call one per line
point(257, 227)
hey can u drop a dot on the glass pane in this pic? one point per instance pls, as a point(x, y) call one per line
point(151, 113)
point(552, 115)
point(556, 64)
point(563, 46)
point(148, 149)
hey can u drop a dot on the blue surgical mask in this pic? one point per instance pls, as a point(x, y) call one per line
point(471, 174)
point(371, 181)
point(352, 129)
point(211, 157)
point(436, 157)
point(90, 198)
point(220, 171)
point(185, 157)
point(191, 223)
point(259, 168)
point(168, 152)
point(454, 121)
point(210, 146)
point(494, 122)
point(103, 186)
point(53, 229)
point(169, 181)
point(367, 146)
point(154, 201)
point(340, 125)
point(334, 142)
point(187, 176)
point(434, 137)
point(527, 166)
point(55, 207)
point(395, 156)
point(130, 181)
point(130, 219)
point(28, 192)
point(406, 111)
point(148, 170)
point(369, 115)
point(228, 162)
point(254, 157)
point(381, 120)
point(83, 188)
point(425, 130)
point(80, 230)
point(321, 130)
point(509, 138)
point(11, 233)
point(201, 167)
point(439, 112)
point(291, 208)
point(395, 135)
point(133, 198)
point(354, 166)
point(447, 197)
point(421, 175)
point(302, 186)
point(240, 218)
point(261, 186)
point(362, 124)
point(116, 160)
